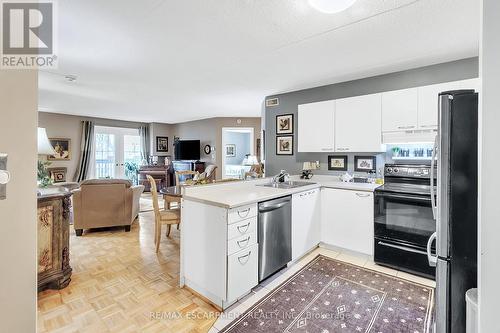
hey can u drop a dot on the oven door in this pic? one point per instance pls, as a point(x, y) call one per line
point(403, 217)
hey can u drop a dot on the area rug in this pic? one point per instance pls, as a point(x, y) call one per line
point(328, 296)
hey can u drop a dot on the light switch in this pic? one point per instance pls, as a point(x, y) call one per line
point(4, 176)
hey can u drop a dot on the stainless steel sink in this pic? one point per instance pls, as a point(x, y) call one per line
point(287, 185)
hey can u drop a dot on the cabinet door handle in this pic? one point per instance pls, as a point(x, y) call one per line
point(406, 127)
point(363, 195)
point(428, 126)
point(343, 149)
point(242, 227)
point(246, 256)
point(245, 212)
point(326, 149)
point(243, 241)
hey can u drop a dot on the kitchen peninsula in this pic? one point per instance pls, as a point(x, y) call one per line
point(219, 234)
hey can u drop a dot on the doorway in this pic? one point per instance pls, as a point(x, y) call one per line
point(116, 150)
point(237, 146)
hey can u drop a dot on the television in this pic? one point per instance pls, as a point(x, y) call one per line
point(187, 150)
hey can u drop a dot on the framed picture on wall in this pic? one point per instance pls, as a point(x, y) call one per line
point(365, 163)
point(284, 145)
point(284, 124)
point(162, 144)
point(230, 150)
point(337, 162)
point(62, 147)
point(58, 175)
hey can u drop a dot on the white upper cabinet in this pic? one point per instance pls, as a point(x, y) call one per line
point(316, 123)
point(428, 100)
point(358, 122)
point(399, 110)
point(428, 105)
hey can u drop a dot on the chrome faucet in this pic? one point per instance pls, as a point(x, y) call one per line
point(281, 177)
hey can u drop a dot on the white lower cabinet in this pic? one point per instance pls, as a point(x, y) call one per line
point(242, 272)
point(347, 219)
point(306, 222)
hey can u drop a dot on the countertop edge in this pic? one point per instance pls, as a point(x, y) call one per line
point(277, 195)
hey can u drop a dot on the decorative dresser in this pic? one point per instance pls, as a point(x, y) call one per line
point(54, 212)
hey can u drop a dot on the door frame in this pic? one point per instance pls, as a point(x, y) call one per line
point(119, 133)
point(250, 130)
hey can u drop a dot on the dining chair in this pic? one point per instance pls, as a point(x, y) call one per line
point(183, 173)
point(166, 216)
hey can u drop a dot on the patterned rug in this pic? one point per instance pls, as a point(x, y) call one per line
point(330, 296)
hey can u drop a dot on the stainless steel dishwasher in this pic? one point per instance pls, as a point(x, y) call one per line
point(275, 235)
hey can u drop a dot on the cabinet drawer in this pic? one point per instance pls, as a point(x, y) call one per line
point(242, 228)
point(239, 243)
point(241, 213)
point(242, 272)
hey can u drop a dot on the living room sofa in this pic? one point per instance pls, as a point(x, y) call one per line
point(100, 203)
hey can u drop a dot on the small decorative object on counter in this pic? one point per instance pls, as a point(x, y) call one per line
point(307, 170)
point(347, 177)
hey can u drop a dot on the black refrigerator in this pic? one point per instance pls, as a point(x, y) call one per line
point(455, 207)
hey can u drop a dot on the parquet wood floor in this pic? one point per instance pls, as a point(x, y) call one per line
point(119, 284)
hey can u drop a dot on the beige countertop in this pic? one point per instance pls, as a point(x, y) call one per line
point(235, 194)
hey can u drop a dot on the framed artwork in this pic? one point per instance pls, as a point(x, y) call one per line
point(337, 162)
point(365, 163)
point(58, 175)
point(207, 149)
point(284, 145)
point(62, 147)
point(284, 124)
point(230, 150)
point(162, 144)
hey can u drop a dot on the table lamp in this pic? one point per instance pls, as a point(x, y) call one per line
point(44, 149)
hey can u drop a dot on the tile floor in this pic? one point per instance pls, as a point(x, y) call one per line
point(264, 288)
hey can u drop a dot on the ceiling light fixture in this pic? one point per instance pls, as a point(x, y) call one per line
point(331, 6)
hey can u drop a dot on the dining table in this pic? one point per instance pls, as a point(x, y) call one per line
point(171, 195)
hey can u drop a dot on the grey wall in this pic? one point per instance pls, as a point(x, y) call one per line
point(242, 143)
point(451, 71)
point(209, 131)
point(67, 126)
point(18, 215)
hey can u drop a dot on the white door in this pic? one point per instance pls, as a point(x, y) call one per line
point(306, 217)
point(347, 219)
point(363, 113)
point(399, 110)
point(116, 150)
point(316, 124)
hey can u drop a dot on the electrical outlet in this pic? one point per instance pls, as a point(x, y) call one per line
point(4, 176)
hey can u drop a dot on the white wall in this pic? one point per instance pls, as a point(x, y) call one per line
point(18, 105)
point(489, 208)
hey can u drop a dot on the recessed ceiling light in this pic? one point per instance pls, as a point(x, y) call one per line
point(331, 6)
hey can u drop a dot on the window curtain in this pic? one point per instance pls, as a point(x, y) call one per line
point(86, 154)
point(145, 143)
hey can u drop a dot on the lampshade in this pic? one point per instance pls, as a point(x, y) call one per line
point(331, 6)
point(44, 146)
